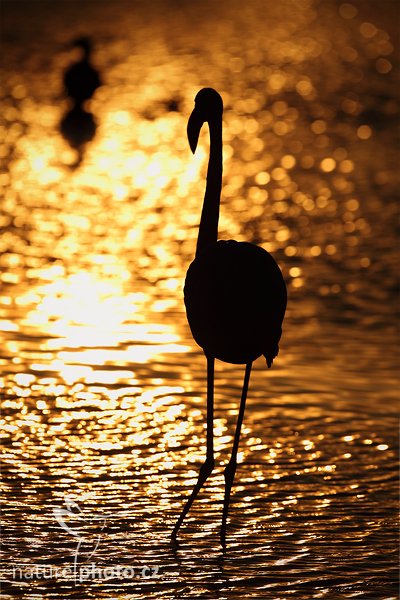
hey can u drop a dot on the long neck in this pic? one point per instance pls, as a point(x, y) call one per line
point(208, 230)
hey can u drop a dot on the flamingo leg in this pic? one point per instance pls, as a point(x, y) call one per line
point(230, 469)
point(209, 463)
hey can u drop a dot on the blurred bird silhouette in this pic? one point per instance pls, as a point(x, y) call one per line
point(234, 293)
point(81, 80)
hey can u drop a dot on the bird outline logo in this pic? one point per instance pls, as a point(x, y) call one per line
point(73, 512)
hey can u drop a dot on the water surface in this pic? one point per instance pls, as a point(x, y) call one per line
point(102, 386)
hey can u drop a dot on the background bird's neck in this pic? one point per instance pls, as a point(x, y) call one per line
point(208, 230)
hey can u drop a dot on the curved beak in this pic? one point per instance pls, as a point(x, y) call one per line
point(193, 128)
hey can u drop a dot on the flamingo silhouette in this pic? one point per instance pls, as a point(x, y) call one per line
point(234, 293)
point(81, 80)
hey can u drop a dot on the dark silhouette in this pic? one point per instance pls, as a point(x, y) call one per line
point(78, 127)
point(235, 296)
point(81, 80)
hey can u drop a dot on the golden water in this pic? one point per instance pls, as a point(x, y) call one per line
point(102, 386)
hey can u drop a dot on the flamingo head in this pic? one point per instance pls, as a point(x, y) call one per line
point(208, 107)
point(83, 42)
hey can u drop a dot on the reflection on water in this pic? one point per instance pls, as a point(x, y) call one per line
point(78, 127)
point(102, 386)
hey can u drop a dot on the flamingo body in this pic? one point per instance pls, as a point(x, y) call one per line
point(235, 299)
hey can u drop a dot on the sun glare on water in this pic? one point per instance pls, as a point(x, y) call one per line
point(88, 322)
